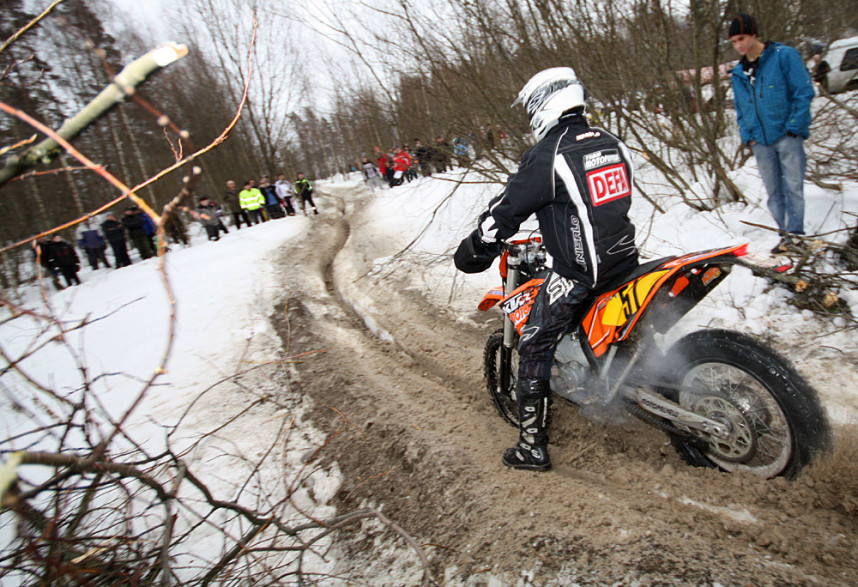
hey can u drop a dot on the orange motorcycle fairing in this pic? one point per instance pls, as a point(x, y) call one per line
point(614, 314)
point(612, 311)
point(519, 302)
point(492, 297)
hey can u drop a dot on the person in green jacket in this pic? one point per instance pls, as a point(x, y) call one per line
point(304, 191)
point(252, 200)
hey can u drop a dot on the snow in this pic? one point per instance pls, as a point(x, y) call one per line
point(222, 299)
point(426, 217)
point(225, 292)
point(734, 512)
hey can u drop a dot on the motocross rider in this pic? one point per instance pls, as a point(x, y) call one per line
point(577, 179)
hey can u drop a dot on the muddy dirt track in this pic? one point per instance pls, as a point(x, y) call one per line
point(415, 435)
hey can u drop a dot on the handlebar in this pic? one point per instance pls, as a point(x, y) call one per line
point(530, 251)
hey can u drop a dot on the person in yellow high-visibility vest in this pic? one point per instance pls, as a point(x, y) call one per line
point(252, 200)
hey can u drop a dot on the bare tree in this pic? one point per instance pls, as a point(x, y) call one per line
point(278, 72)
point(87, 496)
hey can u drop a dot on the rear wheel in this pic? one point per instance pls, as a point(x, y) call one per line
point(502, 392)
point(775, 422)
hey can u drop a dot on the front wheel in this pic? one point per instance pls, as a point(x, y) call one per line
point(775, 421)
point(501, 368)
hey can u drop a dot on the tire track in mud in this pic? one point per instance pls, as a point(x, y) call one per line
point(414, 434)
point(429, 365)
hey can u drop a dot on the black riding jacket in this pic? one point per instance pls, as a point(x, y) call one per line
point(578, 182)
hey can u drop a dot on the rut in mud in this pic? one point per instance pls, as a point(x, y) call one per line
point(398, 388)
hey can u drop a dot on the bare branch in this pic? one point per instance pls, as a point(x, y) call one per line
point(18, 34)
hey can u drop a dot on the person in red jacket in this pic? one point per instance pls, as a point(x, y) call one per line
point(381, 162)
point(401, 162)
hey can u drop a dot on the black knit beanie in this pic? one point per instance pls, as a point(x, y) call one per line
point(744, 24)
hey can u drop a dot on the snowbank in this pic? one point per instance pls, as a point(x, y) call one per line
point(428, 217)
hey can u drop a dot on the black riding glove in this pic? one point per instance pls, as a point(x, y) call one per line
point(474, 255)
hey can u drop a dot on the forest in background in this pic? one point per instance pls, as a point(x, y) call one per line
point(408, 74)
point(405, 76)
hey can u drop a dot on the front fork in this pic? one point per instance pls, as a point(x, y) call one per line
point(506, 375)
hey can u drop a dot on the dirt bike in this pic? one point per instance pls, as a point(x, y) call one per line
point(725, 399)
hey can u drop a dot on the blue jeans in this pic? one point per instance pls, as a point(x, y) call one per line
point(782, 167)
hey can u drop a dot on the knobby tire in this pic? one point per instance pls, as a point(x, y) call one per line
point(503, 399)
point(808, 431)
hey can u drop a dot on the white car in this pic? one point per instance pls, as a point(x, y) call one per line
point(838, 69)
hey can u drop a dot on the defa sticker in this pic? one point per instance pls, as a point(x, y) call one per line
point(608, 183)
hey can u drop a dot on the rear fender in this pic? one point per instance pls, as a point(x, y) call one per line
point(671, 289)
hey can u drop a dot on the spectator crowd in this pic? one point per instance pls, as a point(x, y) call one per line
point(253, 204)
point(405, 163)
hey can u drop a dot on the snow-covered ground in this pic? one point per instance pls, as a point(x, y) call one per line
point(225, 292)
point(743, 302)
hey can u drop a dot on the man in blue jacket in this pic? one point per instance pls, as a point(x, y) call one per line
point(772, 92)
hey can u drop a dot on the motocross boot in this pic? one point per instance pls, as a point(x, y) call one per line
point(531, 450)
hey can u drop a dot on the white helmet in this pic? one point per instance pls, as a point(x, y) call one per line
point(550, 94)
